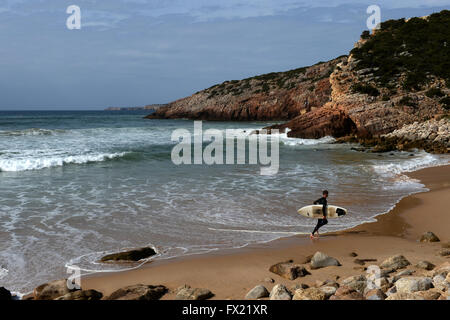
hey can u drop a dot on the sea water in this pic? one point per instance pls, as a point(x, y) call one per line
point(77, 185)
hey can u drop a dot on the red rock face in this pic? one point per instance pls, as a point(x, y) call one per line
point(319, 123)
point(278, 96)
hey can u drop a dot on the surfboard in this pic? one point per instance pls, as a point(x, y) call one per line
point(315, 211)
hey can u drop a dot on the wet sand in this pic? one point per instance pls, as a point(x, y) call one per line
point(230, 274)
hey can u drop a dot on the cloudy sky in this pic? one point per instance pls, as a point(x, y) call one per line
point(137, 52)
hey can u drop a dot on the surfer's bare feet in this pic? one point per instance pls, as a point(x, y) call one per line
point(311, 236)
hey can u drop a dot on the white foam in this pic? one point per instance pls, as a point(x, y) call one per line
point(3, 272)
point(393, 168)
point(31, 132)
point(36, 163)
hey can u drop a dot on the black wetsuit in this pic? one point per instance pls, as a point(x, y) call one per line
point(321, 222)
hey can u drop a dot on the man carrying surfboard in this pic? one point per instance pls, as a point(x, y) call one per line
point(323, 221)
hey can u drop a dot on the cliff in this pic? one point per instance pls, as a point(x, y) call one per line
point(273, 96)
point(398, 75)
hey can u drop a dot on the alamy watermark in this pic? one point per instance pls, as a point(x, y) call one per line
point(213, 153)
point(374, 20)
point(74, 20)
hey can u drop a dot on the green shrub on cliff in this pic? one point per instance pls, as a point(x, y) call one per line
point(417, 47)
point(365, 89)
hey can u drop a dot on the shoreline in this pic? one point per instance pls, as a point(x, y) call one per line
point(230, 273)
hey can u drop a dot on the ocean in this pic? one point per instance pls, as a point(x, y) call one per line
point(75, 185)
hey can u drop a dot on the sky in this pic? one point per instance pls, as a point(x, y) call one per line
point(137, 52)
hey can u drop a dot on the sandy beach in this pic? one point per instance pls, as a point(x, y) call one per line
point(230, 274)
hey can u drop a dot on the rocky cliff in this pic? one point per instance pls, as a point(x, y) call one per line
point(398, 75)
point(273, 96)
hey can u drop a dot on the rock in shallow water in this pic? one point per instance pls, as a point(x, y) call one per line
point(5, 294)
point(132, 255)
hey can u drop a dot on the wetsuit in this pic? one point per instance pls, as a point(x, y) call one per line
point(321, 222)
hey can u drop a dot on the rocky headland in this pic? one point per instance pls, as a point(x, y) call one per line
point(397, 76)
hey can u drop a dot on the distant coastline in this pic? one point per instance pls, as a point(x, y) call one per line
point(147, 107)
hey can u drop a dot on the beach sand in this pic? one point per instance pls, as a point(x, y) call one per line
point(230, 274)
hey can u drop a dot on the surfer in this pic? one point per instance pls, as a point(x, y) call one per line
point(323, 221)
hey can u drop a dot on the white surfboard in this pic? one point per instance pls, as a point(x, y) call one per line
point(315, 211)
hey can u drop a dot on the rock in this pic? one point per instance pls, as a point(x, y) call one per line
point(299, 286)
point(401, 274)
point(51, 290)
point(138, 292)
point(321, 260)
point(431, 294)
point(375, 294)
point(347, 293)
point(328, 291)
point(405, 296)
point(442, 269)
point(429, 237)
point(5, 294)
point(440, 282)
point(289, 270)
point(395, 262)
point(357, 283)
point(257, 293)
point(188, 293)
point(82, 295)
point(280, 292)
point(444, 252)
point(132, 255)
point(353, 254)
point(309, 294)
point(391, 291)
point(413, 284)
point(363, 261)
point(269, 280)
point(425, 265)
point(305, 260)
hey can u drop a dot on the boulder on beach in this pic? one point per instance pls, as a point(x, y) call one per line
point(405, 296)
point(357, 283)
point(321, 260)
point(413, 284)
point(188, 293)
point(309, 294)
point(52, 290)
point(82, 295)
point(425, 265)
point(328, 291)
point(442, 269)
point(444, 252)
point(402, 274)
point(257, 293)
point(375, 294)
point(5, 294)
point(395, 262)
point(132, 255)
point(138, 292)
point(432, 294)
point(289, 270)
point(429, 237)
point(347, 293)
point(280, 292)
